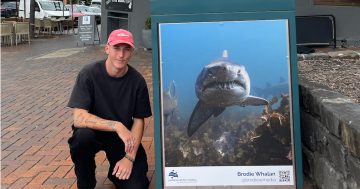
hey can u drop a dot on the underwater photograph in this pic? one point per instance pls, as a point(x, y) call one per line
point(225, 93)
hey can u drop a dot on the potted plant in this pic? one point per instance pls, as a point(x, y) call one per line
point(146, 34)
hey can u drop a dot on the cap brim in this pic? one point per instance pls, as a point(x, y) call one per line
point(121, 42)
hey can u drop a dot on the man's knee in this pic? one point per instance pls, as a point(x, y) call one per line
point(83, 143)
point(132, 183)
point(144, 184)
point(82, 137)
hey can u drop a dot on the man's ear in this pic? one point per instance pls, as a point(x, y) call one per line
point(106, 49)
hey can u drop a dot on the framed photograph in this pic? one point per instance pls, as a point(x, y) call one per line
point(226, 104)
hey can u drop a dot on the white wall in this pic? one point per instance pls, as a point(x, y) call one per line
point(347, 18)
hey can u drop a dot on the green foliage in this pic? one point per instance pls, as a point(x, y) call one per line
point(88, 2)
point(148, 23)
point(85, 2)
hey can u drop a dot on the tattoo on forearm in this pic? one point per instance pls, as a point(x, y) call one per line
point(80, 120)
point(91, 121)
point(110, 124)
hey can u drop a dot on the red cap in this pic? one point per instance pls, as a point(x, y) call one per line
point(121, 36)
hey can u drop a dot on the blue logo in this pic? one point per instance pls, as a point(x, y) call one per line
point(173, 174)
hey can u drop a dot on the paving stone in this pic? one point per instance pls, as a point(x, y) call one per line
point(7, 170)
point(38, 186)
point(61, 171)
point(20, 183)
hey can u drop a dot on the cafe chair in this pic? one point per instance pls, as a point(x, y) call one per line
point(22, 31)
point(39, 26)
point(6, 33)
point(67, 25)
point(50, 25)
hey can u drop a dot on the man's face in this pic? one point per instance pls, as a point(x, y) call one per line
point(119, 54)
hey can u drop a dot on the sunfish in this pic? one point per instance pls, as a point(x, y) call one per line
point(219, 85)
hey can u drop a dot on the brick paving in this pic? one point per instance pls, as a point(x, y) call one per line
point(36, 82)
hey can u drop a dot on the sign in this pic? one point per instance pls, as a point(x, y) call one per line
point(232, 111)
point(227, 104)
point(86, 29)
point(119, 5)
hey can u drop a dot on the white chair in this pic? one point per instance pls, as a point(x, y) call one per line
point(6, 33)
point(50, 25)
point(67, 24)
point(22, 31)
point(39, 25)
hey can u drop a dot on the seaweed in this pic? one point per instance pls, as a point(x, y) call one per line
point(231, 140)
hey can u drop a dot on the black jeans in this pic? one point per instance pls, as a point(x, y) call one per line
point(85, 143)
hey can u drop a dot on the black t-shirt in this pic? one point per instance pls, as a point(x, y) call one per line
point(119, 99)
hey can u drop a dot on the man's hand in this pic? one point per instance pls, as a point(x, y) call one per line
point(123, 169)
point(127, 137)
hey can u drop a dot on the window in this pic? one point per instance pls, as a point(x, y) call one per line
point(337, 2)
point(51, 5)
point(36, 7)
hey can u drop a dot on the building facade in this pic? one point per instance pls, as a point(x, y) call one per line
point(126, 14)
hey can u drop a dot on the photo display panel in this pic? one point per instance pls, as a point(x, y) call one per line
point(226, 104)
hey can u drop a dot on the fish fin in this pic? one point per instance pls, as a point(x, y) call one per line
point(217, 111)
point(200, 114)
point(172, 89)
point(254, 101)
